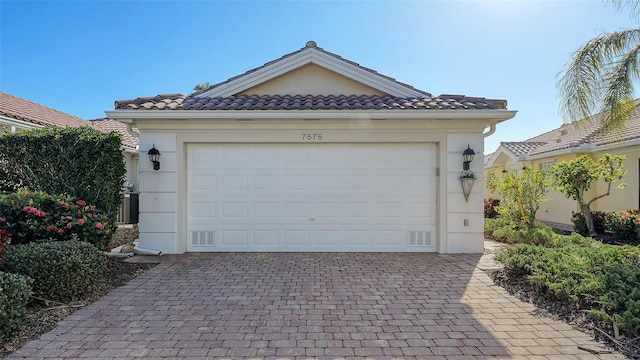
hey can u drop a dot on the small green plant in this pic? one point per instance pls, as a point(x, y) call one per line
point(62, 271)
point(15, 292)
point(31, 216)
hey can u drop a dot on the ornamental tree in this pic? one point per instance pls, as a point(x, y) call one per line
point(522, 193)
point(574, 178)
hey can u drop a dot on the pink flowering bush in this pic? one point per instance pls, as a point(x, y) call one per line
point(35, 216)
point(623, 224)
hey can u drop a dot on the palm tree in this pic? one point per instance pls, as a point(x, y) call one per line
point(204, 86)
point(600, 75)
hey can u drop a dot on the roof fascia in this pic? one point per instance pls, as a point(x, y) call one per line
point(501, 150)
point(490, 116)
point(19, 123)
point(585, 150)
point(311, 56)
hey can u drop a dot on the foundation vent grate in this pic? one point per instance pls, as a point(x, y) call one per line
point(203, 238)
point(419, 238)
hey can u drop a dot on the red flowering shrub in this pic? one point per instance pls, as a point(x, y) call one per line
point(34, 216)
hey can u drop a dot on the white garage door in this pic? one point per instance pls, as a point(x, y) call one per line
point(311, 197)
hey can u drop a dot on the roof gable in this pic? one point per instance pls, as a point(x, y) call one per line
point(312, 79)
point(311, 54)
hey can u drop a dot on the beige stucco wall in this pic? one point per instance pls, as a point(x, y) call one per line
point(620, 199)
point(559, 208)
point(311, 80)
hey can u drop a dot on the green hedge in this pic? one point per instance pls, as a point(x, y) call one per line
point(62, 271)
point(15, 291)
point(30, 216)
point(81, 162)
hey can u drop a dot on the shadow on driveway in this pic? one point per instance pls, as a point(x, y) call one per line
point(324, 305)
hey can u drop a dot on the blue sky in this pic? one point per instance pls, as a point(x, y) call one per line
point(81, 56)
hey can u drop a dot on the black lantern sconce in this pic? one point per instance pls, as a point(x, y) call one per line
point(467, 177)
point(154, 156)
point(467, 156)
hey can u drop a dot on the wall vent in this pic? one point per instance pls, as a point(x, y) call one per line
point(419, 238)
point(203, 238)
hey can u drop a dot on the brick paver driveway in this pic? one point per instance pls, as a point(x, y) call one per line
point(317, 305)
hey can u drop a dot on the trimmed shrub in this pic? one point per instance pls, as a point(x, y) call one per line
point(490, 211)
point(62, 271)
point(580, 224)
point(601, 279)
point(508, 232)
point(622, 224)
point(31, 216)
point(81, 162)
point(15, 291)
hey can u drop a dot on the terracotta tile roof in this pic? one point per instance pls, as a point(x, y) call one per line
point(587, 131)
point(21, 109)
point(310, 44)
point(107, 125)
point(18, 108)
point(309, 102)
point(522, 147)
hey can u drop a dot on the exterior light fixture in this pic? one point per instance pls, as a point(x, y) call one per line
point(467, 177)
point(467, 156)
point(154, 156)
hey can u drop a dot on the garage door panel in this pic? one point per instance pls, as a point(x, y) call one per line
point(262, 238)
point(310, 197)
point(234, 238)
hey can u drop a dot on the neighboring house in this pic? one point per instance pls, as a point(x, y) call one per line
point(567, 143)
point(286, 158)
point(18, 114)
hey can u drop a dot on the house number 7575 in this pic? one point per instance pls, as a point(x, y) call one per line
point(312, 137)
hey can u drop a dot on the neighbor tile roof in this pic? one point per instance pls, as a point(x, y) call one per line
point(587, 131)
point(308, 102)
point(107, 125)
point(20, 109)
point(522, 147)
point(310, 44)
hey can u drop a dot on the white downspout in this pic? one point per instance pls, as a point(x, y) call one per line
point(131, 132)
point(492, 129)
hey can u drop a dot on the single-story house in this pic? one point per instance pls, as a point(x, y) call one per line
point(567, 143)
point(18, 114)
point(310, 152)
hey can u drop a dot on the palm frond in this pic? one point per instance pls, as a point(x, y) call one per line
point(599, 78)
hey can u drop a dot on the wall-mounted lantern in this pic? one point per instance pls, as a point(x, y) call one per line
point(467, 177)
point(154, 156)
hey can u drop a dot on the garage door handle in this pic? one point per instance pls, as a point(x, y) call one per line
point(312, 218)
